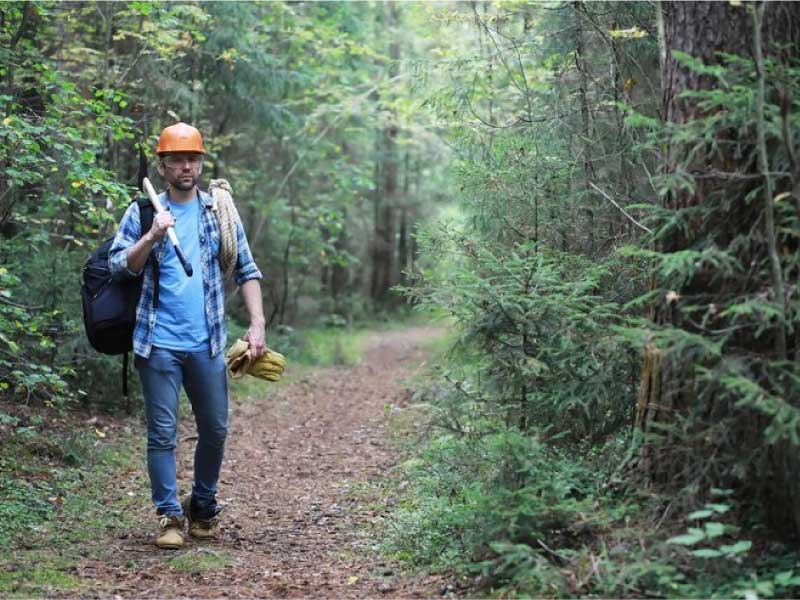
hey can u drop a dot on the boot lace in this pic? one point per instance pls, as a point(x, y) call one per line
point(165, 521)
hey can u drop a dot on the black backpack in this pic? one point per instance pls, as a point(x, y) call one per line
point(109, 306)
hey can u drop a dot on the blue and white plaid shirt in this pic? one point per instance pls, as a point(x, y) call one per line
point(129, 233)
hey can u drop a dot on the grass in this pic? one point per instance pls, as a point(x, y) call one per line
point(329, 347)
point(64, 488)
point(200, 561)
point(38, 581)
point(304, 349)
point(65, 482)
point(439, 345)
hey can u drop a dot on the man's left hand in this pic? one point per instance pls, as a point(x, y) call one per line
point(257, 337)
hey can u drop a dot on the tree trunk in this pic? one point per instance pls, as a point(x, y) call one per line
point(402, 246)
point(669, 392)
point(325, 270)
point(339, 272)
point(402, 239)
point(586, 134)
point(377, 235)
point(385, 214)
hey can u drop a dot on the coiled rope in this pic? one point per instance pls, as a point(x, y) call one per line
point(228, 217)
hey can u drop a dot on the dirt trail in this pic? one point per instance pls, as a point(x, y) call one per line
point(297, 522)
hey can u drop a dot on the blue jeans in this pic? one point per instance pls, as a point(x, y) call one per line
point(203, 377)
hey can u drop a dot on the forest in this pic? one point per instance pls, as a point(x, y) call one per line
point(579, 221)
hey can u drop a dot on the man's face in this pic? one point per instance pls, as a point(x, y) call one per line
point(181, 170)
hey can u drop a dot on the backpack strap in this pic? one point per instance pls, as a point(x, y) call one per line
point(125, 381)
point(146, 213)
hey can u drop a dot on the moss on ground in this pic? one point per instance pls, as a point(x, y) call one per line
point(200, 560)
point(40, 581)
point(66, 481)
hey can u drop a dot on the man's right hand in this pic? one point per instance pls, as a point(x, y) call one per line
point(161, 222)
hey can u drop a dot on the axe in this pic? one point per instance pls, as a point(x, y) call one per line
point(148, 187)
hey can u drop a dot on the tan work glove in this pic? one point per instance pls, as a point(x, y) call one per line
point(240, 362)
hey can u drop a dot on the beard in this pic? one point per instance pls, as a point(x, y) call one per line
point(185, 184)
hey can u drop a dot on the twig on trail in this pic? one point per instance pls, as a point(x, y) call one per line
point(560, 559)
point(624, 212)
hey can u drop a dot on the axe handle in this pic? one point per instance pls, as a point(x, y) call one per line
point(151, 193)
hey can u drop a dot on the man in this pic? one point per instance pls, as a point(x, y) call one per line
point(179, 340)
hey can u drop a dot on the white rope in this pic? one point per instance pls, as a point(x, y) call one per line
point(228, 217)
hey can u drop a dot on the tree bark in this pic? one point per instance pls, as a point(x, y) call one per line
point(669, 392)
point(340, 273)
point(402, 246)
point(583, 95)
point(384, 255)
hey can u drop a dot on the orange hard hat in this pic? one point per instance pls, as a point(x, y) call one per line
point(180, 138)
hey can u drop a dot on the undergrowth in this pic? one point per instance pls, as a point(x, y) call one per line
point(514, 517)
point(618, 419)
point(66, 483)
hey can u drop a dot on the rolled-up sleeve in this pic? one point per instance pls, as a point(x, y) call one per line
point(127, 235)
point(246, 268)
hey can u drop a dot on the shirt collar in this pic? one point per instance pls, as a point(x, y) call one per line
point(205, 199)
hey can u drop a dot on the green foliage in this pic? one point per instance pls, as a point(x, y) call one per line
point(532, 404)
point(290, 110)
point(709, 532)
point(551, 322)
point(46, 486)
point(719, 313)
point(54, 203)
point(537, 338)
point(483, 498)
point(55, 496)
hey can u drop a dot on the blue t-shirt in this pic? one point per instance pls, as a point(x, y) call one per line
point(181, 315)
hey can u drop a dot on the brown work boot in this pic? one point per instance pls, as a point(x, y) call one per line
point(170, 532)
point(203, 522)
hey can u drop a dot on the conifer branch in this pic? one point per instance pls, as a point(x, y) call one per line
point(763, 166)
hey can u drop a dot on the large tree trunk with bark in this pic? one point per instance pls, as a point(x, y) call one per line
point(669, 391)
point(586, 133)
point(384, 267)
